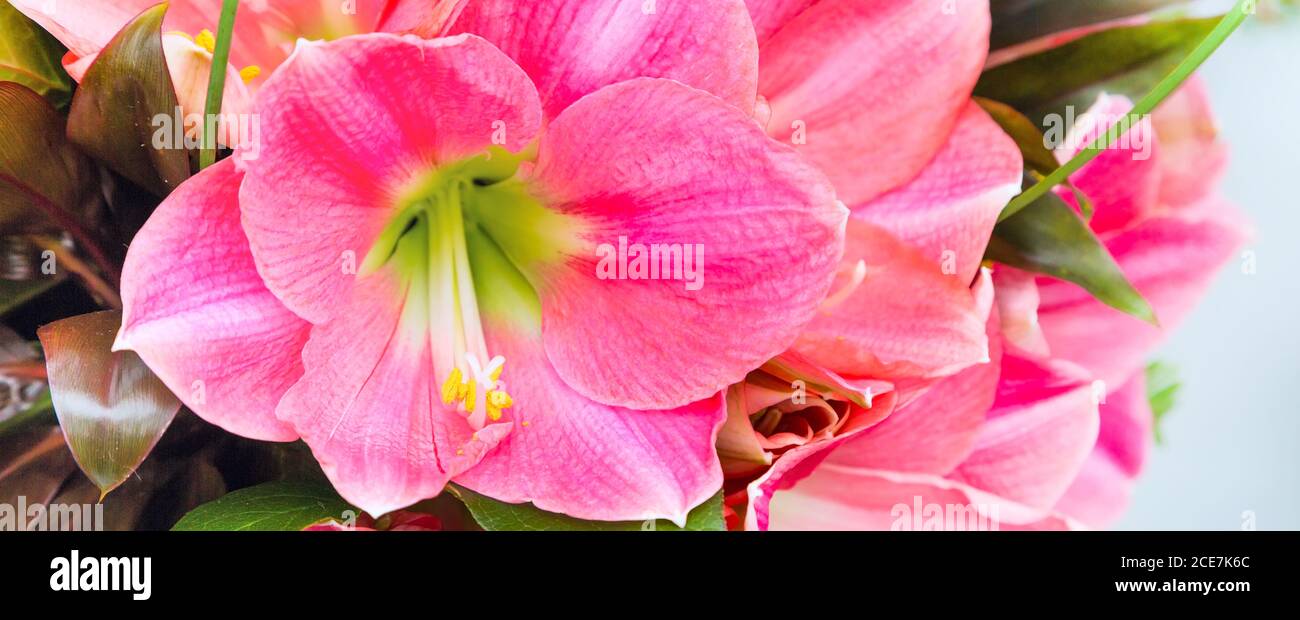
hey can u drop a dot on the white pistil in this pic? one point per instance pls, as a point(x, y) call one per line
point(457, 338)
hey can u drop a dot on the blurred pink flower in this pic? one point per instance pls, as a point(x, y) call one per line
point(1054, 434)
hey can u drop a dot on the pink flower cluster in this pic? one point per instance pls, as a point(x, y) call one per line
point(403, 272)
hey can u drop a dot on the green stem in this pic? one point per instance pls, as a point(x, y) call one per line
point(1229, 24)
point(217, 83)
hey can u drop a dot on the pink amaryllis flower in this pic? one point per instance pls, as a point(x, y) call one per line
point(1054, 435)
point(409, 275)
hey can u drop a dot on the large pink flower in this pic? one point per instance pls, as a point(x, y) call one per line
point(477, 337)
point(1069, 426)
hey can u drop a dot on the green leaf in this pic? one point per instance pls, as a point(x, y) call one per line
point(113, 112)
point(274, 506)
point(112, 408)
point(1018, 21)
point(1048, 237)
point(1162, 393)
point(500, 516)
point(32, 57)
point(1128, 61)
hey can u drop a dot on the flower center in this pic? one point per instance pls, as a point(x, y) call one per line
point(465, 237)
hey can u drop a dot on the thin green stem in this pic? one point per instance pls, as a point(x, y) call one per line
point(1229, 24)
point(217, 83)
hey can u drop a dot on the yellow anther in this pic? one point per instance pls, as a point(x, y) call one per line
point(452, 387)
point(250, 73)
point(206, 40)
point(499, 398)
point(496, 401)
point(469, 396)
point(496, 374)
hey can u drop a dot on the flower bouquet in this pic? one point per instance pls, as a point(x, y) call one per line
point(579, 264)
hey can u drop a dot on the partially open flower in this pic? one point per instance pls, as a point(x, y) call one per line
point(790, 404)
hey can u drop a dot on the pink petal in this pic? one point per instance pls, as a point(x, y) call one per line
point(369, 404)
point(89, 26)
point(199, 316)
point(684, 168)
point(1192, 157)
point(429, 19)
point(1038, 434)
point(771, 15)
point(267, 31)
point(905, 320)
point(1017, 298)
point(572, 455)
point(1123, 182)
point(401, 106)
point(934, 432)
point(574, 47)
point(92, 24)
point(845, 498)
point(877, 86)
point(950, 209)
point(1171, 261)
point(1101, 492)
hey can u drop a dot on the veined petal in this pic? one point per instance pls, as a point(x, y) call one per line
point(199, 315)
point(756, 230)
point(948, 212)
point(905, 320)
point(401, 106)
point(871, 90)
point(572, 455)
point(574, 47)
